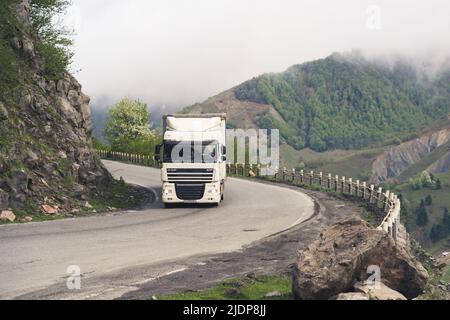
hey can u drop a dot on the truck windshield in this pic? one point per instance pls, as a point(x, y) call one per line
point(190, 152)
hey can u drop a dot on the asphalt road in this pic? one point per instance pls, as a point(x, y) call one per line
point(117, 252)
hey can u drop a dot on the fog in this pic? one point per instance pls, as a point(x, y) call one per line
point(173, 53)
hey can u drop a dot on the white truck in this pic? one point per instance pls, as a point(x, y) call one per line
point(193, 157)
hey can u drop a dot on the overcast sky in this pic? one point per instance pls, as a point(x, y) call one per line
point(178, 52)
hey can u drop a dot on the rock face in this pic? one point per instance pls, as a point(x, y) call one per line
point(397, 159)
point(342, 256)
point(45, 129)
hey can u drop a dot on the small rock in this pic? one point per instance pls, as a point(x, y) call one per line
point(88, 205)
point(26, 219)
point(49, 210)
point(62, 155)
point(273, 294)
point(44, 182)
point(352, 296)
point(251, 173)
point(7, 215)
point(154, 298)
point(379, 291)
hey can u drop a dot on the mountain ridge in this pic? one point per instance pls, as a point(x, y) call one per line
point(337, 102)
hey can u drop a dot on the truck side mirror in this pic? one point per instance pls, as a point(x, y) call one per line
point(158, 153)
point(224, 153)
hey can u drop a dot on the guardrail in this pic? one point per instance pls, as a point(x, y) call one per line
point(145, 160)
point(384, 200)
point(381, 199)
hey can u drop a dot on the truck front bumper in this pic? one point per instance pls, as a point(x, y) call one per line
point(191, 193)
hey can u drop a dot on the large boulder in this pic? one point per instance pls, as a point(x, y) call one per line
point(342, 256)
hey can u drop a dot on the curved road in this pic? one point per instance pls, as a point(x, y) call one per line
point(119, 251)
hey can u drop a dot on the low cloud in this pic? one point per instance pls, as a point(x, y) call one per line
point(175, 53)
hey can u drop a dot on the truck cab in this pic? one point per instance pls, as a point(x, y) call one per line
point(193, 156)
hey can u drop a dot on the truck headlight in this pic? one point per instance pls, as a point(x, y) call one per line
point(167, 191)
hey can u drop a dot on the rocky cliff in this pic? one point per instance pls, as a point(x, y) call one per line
point(46, 157)
point(396, 160)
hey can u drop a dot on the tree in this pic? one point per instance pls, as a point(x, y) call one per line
point(128, 125)
point(428, 200)
point(54, 40)
point(446, 220)
point(422, 215)
point(438, 184)
point(437, 233)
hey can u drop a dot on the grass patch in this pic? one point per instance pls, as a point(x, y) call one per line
point(119, 195)
point(446, 275)
point(241, 289)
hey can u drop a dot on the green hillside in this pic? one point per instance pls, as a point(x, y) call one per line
point(348, 103)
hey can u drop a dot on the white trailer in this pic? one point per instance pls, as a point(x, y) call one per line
point(193, 156)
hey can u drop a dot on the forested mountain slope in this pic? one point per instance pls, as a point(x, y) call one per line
point(340, 102)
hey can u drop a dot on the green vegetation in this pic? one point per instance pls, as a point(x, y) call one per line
point(241, 289)
point(128, 128)
point(55, 41)
point(348, 103)
point(425, 204)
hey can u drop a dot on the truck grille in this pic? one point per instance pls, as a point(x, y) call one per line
point(190, 191)
point(190, 175)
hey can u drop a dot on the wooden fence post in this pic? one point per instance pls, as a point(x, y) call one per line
point(386, 201)
point(358, 191)
point(371, 193)
point(379, 196)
